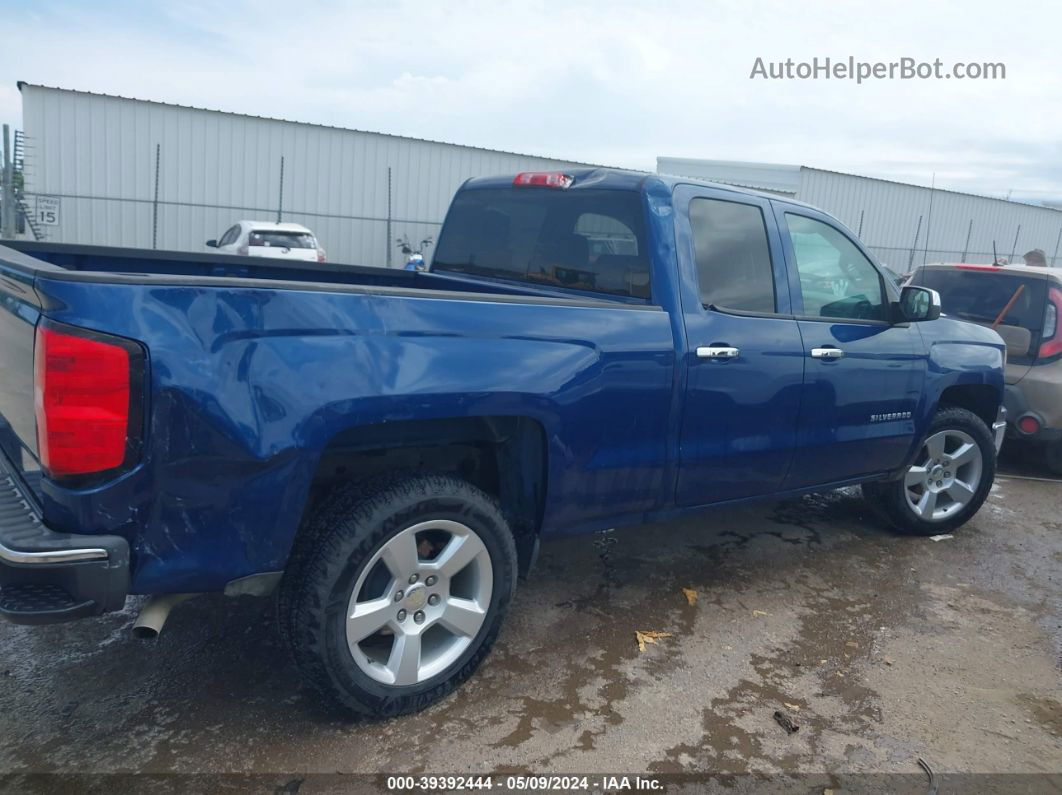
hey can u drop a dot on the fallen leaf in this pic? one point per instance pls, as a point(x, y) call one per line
point(691, 596)
point(942, 537)
point(759, 612)
point(822, 662)
point(888, 661)
point(852, 644)
point(786, 722)
point(648, 636)
point(794, 707)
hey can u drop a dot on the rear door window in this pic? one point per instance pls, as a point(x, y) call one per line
point(984, 297)
point(271, 238)
point(589, 240)
point(732, 255)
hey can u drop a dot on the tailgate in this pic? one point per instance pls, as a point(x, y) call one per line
point(19, 311)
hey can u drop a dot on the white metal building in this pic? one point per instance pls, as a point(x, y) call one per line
point(107, 170)
point(903, 224)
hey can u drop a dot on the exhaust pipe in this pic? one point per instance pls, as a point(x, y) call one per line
point(153, 615)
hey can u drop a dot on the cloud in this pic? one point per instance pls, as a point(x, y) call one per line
point(615, 83)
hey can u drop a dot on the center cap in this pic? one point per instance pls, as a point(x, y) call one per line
point(416, 597)
point(936, 473)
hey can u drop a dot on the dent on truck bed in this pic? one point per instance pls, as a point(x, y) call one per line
point(250, 387)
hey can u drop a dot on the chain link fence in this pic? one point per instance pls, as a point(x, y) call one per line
point(153, 219)
point(145, 210)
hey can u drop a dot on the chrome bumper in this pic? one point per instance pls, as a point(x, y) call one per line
point(47, 577)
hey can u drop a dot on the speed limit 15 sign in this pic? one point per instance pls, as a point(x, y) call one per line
point(48, 210)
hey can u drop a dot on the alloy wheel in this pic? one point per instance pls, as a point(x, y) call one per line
point(419, 603)
point(946, 477)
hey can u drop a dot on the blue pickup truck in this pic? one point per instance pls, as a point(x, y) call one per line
point(384, 450)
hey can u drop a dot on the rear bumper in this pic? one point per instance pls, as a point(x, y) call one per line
point(48, 577)
point(1018, 405)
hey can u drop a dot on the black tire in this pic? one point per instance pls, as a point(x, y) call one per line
point(889, 497)
point(1053, 457)
point(337, 541)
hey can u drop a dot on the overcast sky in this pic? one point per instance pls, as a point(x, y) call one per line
point(615, 83)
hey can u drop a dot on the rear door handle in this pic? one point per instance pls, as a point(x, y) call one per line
point(827, 353)
point(718, 352)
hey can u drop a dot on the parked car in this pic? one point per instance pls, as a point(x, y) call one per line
point(265, 239)
point(385, 448)
point(1023, 304)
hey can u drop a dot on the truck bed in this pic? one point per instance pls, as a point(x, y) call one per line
point(100, 263)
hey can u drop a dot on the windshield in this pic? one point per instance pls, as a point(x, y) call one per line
point(985, 297)
point(590, 240)
point(270, 237)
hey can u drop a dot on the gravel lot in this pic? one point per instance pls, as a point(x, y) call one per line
point(884, 649)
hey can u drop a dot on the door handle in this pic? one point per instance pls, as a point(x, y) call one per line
point(827, 353)
point(717, 352)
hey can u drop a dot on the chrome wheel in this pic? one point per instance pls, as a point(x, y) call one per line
point(946, 477)
point(419, 602)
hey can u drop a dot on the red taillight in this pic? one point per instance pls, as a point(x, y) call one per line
point(84, 399)
point(320, 255)
point(1029, 424)
point(543, 179)
point(1051, 337)
point(978, 267)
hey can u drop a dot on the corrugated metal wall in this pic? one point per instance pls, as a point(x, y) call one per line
point(97, 153)
point(890, 220)
point(896, 220)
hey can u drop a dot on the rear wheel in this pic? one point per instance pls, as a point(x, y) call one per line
point(402, 595)
point(948, 481)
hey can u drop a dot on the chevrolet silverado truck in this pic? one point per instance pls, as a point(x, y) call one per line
point(384, 450)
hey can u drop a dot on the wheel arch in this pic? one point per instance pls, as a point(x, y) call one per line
point(981, 399)
point(505, 456)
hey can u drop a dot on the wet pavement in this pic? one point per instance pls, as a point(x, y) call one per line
point(882, 648)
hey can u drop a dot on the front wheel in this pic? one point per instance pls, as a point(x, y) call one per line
point(948, 481)
point(400, 594)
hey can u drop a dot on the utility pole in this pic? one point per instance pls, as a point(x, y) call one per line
point(155, 202)
point(7, 211)
point(280, 198)
point(388, 217)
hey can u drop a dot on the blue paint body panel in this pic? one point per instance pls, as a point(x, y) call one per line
point(254, 370)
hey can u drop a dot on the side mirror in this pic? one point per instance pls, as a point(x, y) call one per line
point(212, 243)
point(919, 303)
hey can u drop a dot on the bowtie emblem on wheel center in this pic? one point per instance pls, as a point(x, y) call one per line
point(416, 597)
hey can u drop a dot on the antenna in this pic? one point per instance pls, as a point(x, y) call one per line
point(929, 218)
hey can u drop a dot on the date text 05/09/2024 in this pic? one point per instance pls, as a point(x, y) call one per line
point(529, 783)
